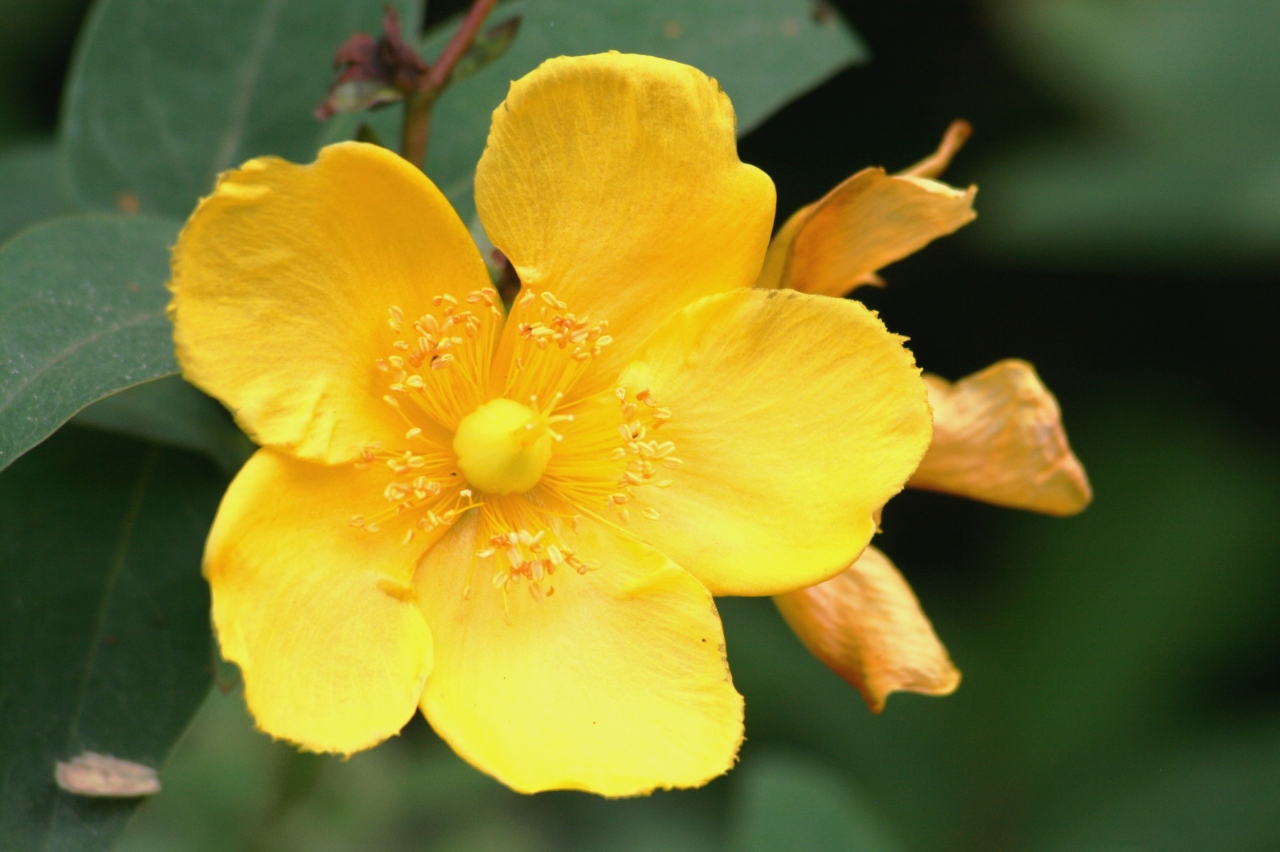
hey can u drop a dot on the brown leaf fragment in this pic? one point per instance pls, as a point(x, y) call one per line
point(866, 625)
point(998, 437)
point(93, 774)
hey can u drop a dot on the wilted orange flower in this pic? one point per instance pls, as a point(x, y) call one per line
point(997, 434)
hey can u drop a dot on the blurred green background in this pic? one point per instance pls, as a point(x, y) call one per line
point(1122, 668)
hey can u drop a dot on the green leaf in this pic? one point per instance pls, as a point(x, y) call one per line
point(82, 304)
point(29, 186)
point(163, 96)
point(104, 638)
point(1216, 793)
point(784, 801)
point(487, 47)
point(171, 412)
point(764, 53)
point(1174, 159)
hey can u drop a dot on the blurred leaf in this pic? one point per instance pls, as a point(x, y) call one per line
point(903, 757)
point(163, 96)
point(794, 803)
point(1219, 794)
point(229, 787)
point(763, 52)
point(104, 639)
point(82, 304)
point(1176, 160)
point(1172, 565)
point(29, 186)
point(169, 411)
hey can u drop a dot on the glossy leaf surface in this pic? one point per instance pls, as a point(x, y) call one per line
point(82, 304)
point(29, 187)
point(104, 622)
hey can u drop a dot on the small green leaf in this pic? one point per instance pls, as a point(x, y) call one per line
point(104, 623)
point(764, 53)
point(487, 47)
point(171, 412)
point(163, 96)
point(784, 801)
point(82, 304)
point(29, 186)
point(366, 133)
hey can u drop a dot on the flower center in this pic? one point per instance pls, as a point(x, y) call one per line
point(503, 447)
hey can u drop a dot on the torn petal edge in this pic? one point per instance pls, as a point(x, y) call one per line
point(866, 625)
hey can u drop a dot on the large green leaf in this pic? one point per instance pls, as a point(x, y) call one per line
point(81, 316)
point(171, 412)
point(163, 95)
point(764, 53)
point(104, 632)
point(29, 186)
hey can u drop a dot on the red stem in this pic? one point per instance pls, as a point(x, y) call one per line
point(416, 130)
point(438, 75)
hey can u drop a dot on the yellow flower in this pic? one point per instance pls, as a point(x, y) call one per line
point(517, 521)
point(997, 434)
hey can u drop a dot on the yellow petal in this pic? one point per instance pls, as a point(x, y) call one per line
point(282, 283)
point(617, 683)
point(867, 626)
point(998, 437)
point(866, 223)
point(613, 181)
point(796, 418)
point(319, 615)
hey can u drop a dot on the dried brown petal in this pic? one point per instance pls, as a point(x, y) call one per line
point(867, 222)
point(866, 625)
point(932, 166)
point(93, 774)
point(998, 437)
